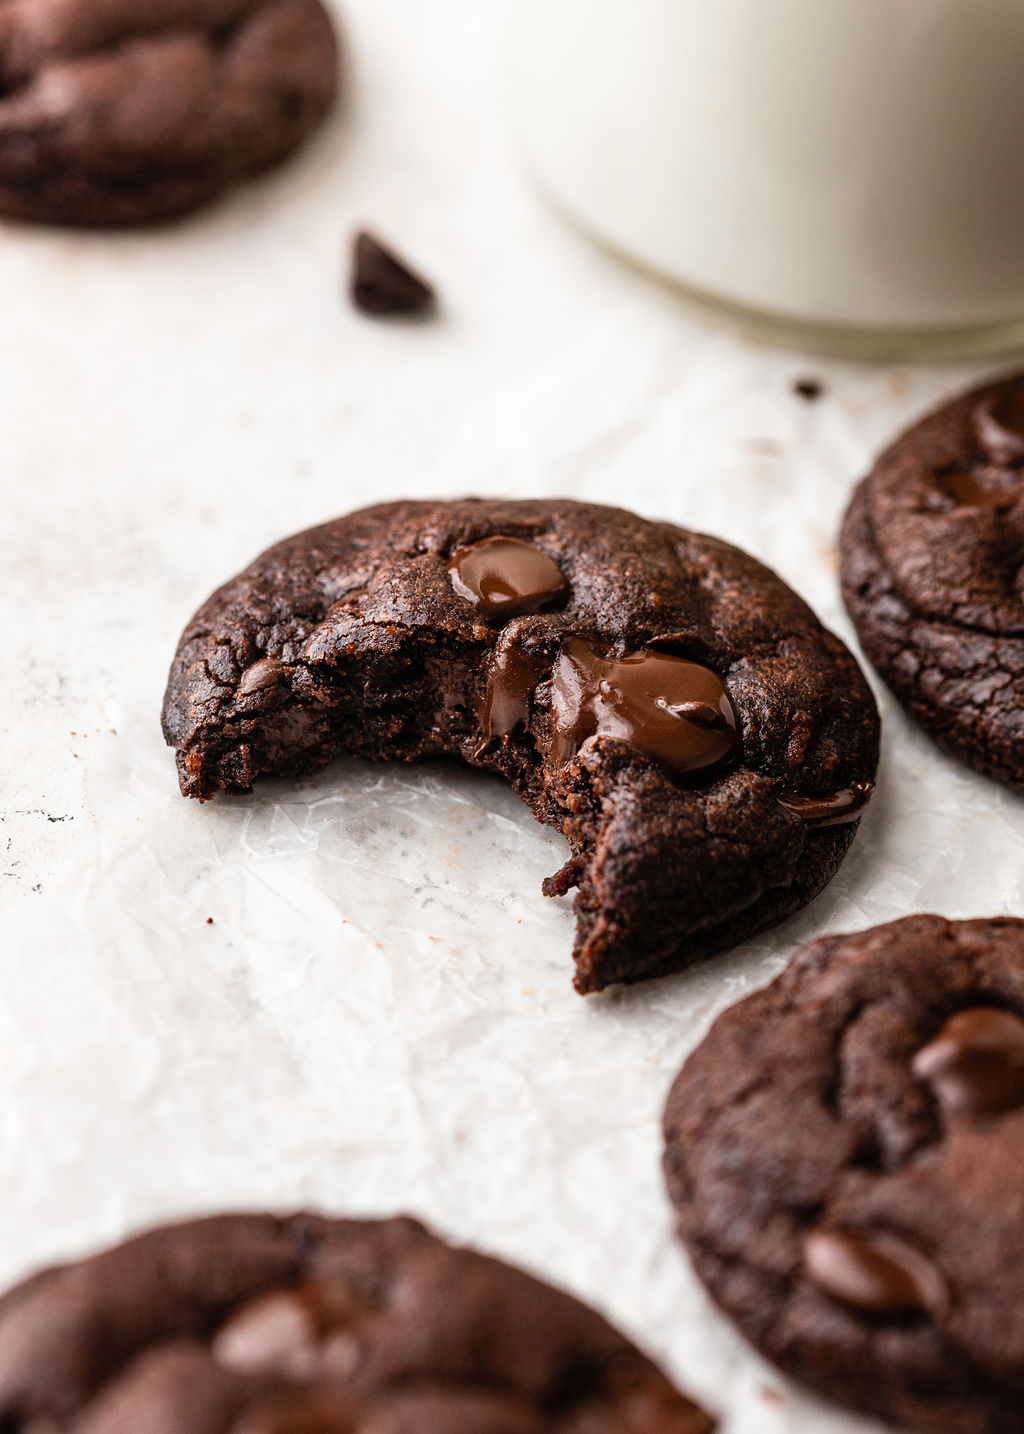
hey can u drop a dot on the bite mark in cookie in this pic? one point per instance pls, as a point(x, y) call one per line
point(654, 694)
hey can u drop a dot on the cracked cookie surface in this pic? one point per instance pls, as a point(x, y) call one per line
point(845, 1152)
point(933, 575)
point(251, 1324)
point(661, 698)
point(124, 112)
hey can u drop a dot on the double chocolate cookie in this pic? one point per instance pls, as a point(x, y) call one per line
point(120, 112)
point(247, 1324)
point(932, 564)
point(661, 698)
point(845, 1151)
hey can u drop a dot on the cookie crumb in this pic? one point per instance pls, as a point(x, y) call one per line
point(809, 389)
point(383, 285)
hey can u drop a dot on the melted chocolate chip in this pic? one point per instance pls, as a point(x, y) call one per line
point(676, 711)
point(997, 488)
point(305, 1413)
point(262, 675)
point(876, 1274)
point(809, 389)
point(975, 1065)
point(512, 676)
point(505, 577)
point(1001, 440)
point(831, 810)
point(289, 1332)
point(383, 285)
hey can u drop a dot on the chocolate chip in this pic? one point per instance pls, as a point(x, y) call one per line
point(876, 1274)
point(288, 1332)
point(975, 1065)
point(382, 284)
point(262, 675)
point(830, 810)
point(1002, 442)
point(505, 577)
point(676, 711)
point(512, 676)
point(308, 1412)
point(997, 488)
point(809, 389)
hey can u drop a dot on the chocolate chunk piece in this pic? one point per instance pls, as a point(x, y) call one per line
point(301, 1333)
point(383, 285)
point(512, 678)
point(932, 556)
point(876, 1274)
point(250, 1324)
point(983, 488)
point(138, 111)
point(676, 711)
point(846, 1158)
point(999, 425)
point(613, 703)
point(505, 577)
point(975, 1064)
point(831, 809)
point(262, 676)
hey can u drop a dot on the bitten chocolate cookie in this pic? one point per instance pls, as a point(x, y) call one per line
point(133, 111)
point(247, 1324)
point(932, 557)
point(658, 696)
point(845, 1151)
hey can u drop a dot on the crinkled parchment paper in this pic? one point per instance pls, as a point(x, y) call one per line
point(348, 992)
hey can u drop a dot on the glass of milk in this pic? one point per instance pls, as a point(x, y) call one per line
point(850, 172)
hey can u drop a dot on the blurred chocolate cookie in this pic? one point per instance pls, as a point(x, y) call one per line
point(122, 112)
point(932, 561)
point(845, 1152)
point(247, 1324)
point(658, 696)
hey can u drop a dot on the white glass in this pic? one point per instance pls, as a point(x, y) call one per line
point(851, 165)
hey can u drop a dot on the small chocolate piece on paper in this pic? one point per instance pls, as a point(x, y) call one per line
point(384, 285)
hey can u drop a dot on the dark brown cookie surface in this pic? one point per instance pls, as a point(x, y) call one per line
point(932, 555)
point(658, 696)
point(845, 1152)
point(121, 112)
point(249, 1324)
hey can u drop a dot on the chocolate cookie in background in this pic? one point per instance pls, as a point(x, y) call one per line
point(251, 1324)
point(845, 1152)
point(142, 110)
point(932, 554)
point(658, 696)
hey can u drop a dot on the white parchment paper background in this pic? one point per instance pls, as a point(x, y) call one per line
point(379, 1017)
